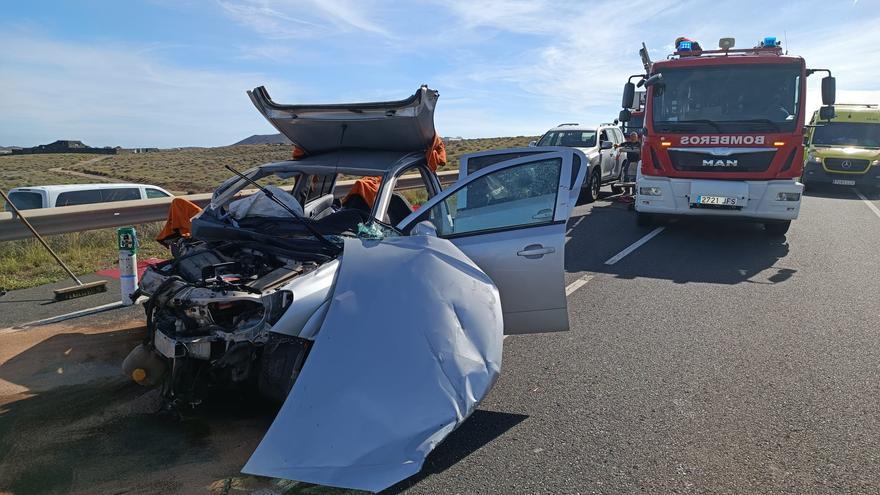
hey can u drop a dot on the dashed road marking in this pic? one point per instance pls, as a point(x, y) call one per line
point(632, 247)
point(868, 202)
point(577, 284)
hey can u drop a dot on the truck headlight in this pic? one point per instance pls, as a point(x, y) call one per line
point(788, 196)
point(650, 191)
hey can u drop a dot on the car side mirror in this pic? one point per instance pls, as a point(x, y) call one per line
point(532, 144)
point(605, 145)
point(425, 227)
point(625, 115)
point(629, 94)
point(826, 113)
point(829, 90)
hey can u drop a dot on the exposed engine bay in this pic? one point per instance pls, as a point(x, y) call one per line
point(208, 317)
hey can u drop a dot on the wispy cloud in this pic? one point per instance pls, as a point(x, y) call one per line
point(502, 66)
point(290, 19)
point(118, 95)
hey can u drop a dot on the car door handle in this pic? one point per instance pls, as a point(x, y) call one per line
point(543, 214)
point(535, 251)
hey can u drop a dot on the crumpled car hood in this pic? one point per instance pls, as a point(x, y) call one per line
point(410, 345)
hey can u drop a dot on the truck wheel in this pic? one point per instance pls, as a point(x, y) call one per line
point(593, 185)
point(644, 219)
point(777, 228)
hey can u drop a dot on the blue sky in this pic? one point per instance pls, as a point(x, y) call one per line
point(174, 73)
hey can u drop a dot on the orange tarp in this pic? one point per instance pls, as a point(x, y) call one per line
point(179, 221)
point(368, 187)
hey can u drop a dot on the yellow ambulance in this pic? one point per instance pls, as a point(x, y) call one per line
point(846, 150)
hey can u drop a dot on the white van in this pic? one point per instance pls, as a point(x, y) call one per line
point(29, 198)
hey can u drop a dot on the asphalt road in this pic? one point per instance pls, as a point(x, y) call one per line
point(711, 359)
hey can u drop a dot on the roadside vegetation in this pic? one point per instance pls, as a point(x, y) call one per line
point(183, 171)
point(25, 263)
point(35, 170)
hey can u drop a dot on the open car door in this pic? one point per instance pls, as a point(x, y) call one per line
point(474, 162)
point(509, 217)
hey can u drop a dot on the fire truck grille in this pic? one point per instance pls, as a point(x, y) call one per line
point(689, 161)
point(841, 165)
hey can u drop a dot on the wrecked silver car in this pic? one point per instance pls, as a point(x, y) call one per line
point(378, 324)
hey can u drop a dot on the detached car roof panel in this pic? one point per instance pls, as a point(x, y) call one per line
point(404, 125)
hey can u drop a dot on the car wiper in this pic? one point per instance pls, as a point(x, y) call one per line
point(769, 122)
point(708, 122)
point(670, 126)
point(335, 248)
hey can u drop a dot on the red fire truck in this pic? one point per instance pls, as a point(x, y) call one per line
point(724, 133)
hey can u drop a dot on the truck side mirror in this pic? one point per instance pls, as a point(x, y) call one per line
point(655, 79)
point(605, 145)
point(625, 115)
point(827, 112)
point(629, 94)
point(829, 90)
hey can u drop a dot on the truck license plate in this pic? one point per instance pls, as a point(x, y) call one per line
point(716, 200)
point(843, 182)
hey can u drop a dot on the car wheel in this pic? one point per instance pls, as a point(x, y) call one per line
point(644, 219)
point(593, 185)
point(777, 228)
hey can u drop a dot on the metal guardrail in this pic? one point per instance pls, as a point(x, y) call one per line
point(65, 219)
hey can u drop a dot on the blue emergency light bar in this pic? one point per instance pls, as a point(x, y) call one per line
point(685, 46)
point(769, 41)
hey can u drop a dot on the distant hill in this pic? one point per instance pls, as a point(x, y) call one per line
point(264, 139)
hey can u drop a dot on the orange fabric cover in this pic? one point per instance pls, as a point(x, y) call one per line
point(368, 187)
point(179, 221)
point(437, 154)
point(365, 187)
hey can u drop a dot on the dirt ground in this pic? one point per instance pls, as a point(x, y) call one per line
point(71, 423)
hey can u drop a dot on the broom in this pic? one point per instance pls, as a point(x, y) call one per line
point(78, 290)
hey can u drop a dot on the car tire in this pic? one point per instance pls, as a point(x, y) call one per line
point(777, 229)
point(594, 183)
point(644, 219)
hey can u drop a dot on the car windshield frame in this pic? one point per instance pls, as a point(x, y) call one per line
point(570, 138)
point(869, 139)
point(728, 98)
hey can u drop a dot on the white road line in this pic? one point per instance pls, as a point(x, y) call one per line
point(632, 247)
point(577, 284)
point(868, 202)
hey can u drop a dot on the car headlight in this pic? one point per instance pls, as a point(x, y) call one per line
point(650, 191)
point(788, 196)
point(277, 304)
point(813, 158)
point(875, 163)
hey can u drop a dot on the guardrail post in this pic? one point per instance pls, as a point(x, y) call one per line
point(128, 274)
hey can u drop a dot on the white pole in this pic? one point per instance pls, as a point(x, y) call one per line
point(128, 275)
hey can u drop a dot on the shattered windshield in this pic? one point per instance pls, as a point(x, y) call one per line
point(847, 134)
point(739, 98)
